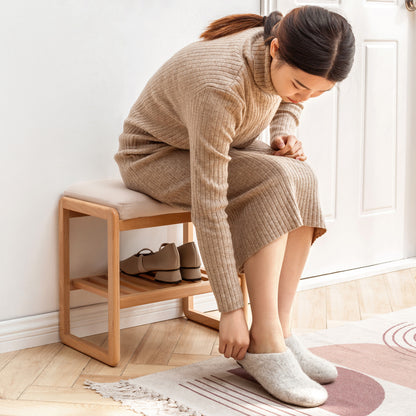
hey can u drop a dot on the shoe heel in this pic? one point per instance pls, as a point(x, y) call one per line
point(171, 276)
point(191, 273)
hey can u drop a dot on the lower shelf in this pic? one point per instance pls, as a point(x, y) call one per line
point(136, 291)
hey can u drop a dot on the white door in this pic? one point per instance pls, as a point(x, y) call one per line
point(355, 138)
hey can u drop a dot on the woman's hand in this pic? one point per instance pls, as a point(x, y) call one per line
point(234, 335)
point(288, 146)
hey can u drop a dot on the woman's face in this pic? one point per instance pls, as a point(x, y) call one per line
point(293, 84)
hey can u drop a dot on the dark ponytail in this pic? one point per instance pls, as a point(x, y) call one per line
point(231, 24)
point(271, 22)
point(237, 22)
point(311, 38)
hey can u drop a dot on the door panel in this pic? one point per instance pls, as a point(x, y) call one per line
point(379, 168)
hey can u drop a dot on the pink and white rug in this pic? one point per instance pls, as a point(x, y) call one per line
point(376, 361)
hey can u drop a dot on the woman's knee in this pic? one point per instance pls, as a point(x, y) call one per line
point(309, 173)
point(299, 173)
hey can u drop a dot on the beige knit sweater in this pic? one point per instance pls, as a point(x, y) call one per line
point(209, 96)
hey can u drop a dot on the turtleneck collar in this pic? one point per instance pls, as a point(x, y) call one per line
point(258, 58)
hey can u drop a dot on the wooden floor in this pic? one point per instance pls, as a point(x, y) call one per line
point(48, 380)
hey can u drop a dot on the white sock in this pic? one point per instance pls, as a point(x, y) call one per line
point(281, 375)
point(315, 367)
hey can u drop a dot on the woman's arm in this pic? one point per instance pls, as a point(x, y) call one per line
point(286, 120)
point(213, 117)
point(282, 130)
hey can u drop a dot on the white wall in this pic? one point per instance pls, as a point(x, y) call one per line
point(70, 71)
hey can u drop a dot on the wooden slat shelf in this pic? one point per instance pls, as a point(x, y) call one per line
point(136, 291)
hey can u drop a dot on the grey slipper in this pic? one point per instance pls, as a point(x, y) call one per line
point(281, 375)
point(315, 367)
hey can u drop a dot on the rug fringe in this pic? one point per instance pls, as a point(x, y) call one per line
point(141, 399)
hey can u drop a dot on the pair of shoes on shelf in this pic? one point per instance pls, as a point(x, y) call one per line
point(293, 376)
point(170, 264)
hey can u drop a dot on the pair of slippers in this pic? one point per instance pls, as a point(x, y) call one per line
point(170, 264)
point(293, 376)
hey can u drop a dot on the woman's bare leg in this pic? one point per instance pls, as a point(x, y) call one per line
point(296, 254)
point(297, 250)
point(262, 272)
point(279, 373)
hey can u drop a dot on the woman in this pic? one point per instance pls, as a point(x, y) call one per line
point(191, 141)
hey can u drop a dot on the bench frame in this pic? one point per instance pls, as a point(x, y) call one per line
point(122, 291)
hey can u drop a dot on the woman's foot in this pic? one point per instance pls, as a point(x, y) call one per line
point(281, 375)
point(315, 367)
point(274, 366)
point(266, 340)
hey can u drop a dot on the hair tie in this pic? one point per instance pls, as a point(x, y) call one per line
point(264, 20)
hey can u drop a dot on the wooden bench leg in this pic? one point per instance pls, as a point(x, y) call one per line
point(110, 356)
point(203, 318)
point(113, 254)
point(188, 302)
point(64, 282)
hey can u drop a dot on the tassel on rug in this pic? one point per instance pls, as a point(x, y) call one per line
point(141, 399)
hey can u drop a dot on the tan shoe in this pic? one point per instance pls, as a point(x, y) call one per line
point(164, 265)
point(190, 262)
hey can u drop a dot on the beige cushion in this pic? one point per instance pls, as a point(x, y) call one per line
point(113, 193)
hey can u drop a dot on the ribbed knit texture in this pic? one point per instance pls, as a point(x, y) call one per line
point(199, 114)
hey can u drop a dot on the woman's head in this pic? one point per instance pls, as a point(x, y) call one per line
point(312, 48)
point(313, 39)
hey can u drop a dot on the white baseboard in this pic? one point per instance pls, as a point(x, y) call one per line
point(33, 331)
point(313, 282)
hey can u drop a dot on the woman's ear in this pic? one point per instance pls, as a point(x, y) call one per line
point(274, 47)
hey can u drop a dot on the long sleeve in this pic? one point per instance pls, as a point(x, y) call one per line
point(286, 120)
point(213, 117)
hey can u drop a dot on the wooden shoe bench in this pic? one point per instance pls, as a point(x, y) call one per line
point(123, 210)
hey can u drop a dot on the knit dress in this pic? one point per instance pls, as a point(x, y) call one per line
point(191, 141)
